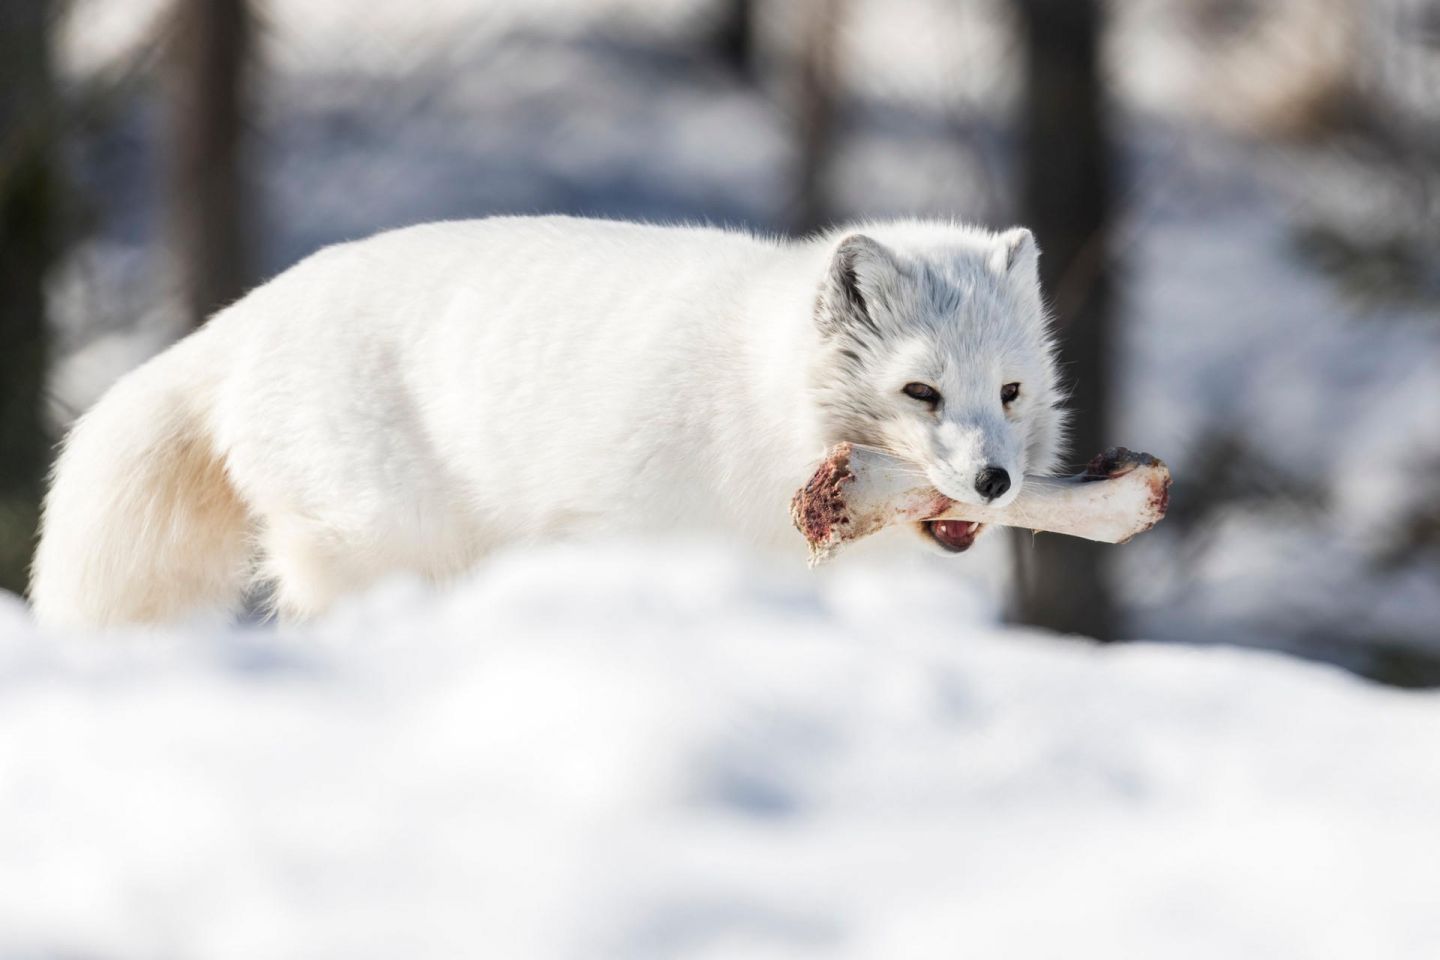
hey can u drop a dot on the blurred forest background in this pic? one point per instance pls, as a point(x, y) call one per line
point(1236, 200)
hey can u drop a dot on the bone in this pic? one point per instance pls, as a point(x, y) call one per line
point(859, 490)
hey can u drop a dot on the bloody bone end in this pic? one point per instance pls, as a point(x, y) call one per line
point(858, 491)
point(1116, 462)
point(818, 508)
point(1120, 461)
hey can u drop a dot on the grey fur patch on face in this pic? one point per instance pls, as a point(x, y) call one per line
point(853, 292)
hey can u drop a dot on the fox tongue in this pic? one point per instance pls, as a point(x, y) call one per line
point(955, 534)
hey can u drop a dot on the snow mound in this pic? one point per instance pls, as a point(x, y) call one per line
point(635, 752)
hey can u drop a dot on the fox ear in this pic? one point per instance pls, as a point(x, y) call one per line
point(861, 276)
point(1016, 255)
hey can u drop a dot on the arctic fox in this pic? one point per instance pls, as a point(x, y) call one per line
point(413, 401)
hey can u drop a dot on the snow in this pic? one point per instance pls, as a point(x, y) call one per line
point(670, 750)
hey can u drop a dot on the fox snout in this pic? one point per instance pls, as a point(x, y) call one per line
point(982, 483)
point(975, 462)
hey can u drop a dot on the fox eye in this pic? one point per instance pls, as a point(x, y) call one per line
point(1009, 392)
point(922, 392)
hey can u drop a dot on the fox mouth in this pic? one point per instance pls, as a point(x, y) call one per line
point(956, 536)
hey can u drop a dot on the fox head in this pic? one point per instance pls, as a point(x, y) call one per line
point(935, 347)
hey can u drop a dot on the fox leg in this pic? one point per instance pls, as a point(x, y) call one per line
point(306, 567)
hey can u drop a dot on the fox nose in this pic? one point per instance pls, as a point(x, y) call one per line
point(992, 482)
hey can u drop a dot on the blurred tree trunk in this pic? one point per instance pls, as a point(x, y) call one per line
point(815, 80)
point(207, 68)
point(29, 201)
point(1063, 583)
point(734, 37)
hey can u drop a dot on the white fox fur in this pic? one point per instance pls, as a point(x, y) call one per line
point(413, 401)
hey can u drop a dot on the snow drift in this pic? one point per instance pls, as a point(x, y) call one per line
point(634, 753)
